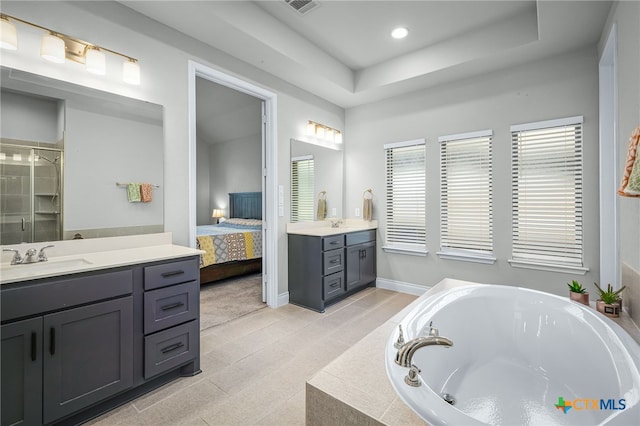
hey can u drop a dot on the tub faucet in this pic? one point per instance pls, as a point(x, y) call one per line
point(405, 353)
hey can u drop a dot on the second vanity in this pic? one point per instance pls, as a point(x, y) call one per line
point(327, 264)
point(81, 339)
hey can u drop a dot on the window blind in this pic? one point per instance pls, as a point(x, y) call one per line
point(406, 195)
point(466, 192)
point(302, 189)
point(547, 192)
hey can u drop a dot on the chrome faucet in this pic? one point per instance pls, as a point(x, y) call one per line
point(335, 223)
point(29, 256)
point(405, 354)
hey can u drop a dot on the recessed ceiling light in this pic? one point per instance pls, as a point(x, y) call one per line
point(400, 32)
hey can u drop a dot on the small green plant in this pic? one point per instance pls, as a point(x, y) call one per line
point(576, 287)
point(609, 296)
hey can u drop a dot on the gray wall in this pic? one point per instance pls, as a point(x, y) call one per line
point(553, 88)
point(236, 166)
point(29, 118)
point(203, 184)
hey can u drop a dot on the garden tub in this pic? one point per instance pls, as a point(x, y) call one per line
point(519, 356)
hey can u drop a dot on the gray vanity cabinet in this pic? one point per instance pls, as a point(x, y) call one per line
point(21, 352)
point(75, 346)
point(88, 356)
point(324, 270)
point(361, 259)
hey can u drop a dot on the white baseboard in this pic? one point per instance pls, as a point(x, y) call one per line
point(283, 299)
point(402, 287)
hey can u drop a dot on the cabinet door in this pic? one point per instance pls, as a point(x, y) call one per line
point(88, 355)
point(21, 352)
point(361, 264)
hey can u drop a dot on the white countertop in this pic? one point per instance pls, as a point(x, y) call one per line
point(115, 253)
point(323, 228)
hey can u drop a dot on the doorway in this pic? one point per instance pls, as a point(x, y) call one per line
point(268, 176)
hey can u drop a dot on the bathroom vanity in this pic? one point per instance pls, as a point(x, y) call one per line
point(80, 341)
point(328, 264)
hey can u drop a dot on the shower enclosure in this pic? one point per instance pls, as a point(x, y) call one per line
point(30, 194)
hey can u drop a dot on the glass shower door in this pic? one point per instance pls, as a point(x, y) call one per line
point(16, 201)
point(30, 194)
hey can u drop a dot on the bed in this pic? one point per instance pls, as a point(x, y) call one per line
point(233, 247)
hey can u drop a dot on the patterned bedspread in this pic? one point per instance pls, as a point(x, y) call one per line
point(234, 239)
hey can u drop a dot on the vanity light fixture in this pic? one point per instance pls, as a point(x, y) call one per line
point(57, 47)
point(399, 33)
point(324, 132)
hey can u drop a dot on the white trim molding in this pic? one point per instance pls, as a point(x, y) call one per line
point(548, 267)
point(283, 299)
point(466, 256)
point(270, 163)
point(405, 250)
point(402, 287)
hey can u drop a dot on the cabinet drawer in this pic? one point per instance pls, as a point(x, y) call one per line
point(170, 348)
point(53, 294)
point(333, 286)
point(332, 261)
point(169, 306)
point(158, 276)
point(361, 237)
point(334, 242)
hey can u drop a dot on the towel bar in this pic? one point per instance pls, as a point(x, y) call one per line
point(125, 184)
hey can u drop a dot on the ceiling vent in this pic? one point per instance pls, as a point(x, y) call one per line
point(302, 6)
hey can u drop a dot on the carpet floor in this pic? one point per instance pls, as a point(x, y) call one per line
point(232, 298)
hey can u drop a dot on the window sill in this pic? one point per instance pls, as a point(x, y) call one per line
point(405, 250)
point(548, 267)
point(467, 257)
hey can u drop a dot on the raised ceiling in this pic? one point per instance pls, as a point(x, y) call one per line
point(342, 51)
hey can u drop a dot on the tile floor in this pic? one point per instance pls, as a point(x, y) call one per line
point(254, 368)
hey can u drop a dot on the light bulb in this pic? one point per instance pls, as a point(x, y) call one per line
point(9, 35)
point(328, 134)
point(131, 72)
point(95, 61)
point(311, 128)
point(52, 48)
point(320, 132)
point(338, 137)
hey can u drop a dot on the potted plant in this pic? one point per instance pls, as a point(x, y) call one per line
point(578, 293)
point(609, 302)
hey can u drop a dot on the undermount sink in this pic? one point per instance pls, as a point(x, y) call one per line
point(38, 269)
point(62, 263)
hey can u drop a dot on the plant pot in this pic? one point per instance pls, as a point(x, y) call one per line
point(611, 310)
point(579, 297)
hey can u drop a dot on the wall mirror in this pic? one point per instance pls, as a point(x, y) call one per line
point(316, 173)
point(67, 155)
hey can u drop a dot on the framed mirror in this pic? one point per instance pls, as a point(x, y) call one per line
point(67, 156)
point(316, 174)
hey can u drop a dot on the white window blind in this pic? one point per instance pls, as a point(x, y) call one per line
point(302, 189)
point(547, 192)
point(406, 196)
point(466, 193)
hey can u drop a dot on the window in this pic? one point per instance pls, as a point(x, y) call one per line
point(302, 189)
point(547, 195)
point(466, 197)
point(406, 197)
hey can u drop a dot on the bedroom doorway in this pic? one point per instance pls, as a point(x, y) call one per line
point(245, 112)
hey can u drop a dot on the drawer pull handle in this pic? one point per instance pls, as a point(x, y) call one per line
point(336, 284)
point(171, 274)
point(172, 306)
point(34, 348)
point(334, 261)
point(172, 347)
point(52, 341)
point(333, 243)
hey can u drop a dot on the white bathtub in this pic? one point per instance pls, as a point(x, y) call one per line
point(515, 353)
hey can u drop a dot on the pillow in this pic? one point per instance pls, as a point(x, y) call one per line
point(243, 222)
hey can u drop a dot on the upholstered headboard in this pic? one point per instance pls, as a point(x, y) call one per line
point(245, 205)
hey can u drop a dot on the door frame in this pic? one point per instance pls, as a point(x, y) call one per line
point(610, 271)
point(269, 162)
